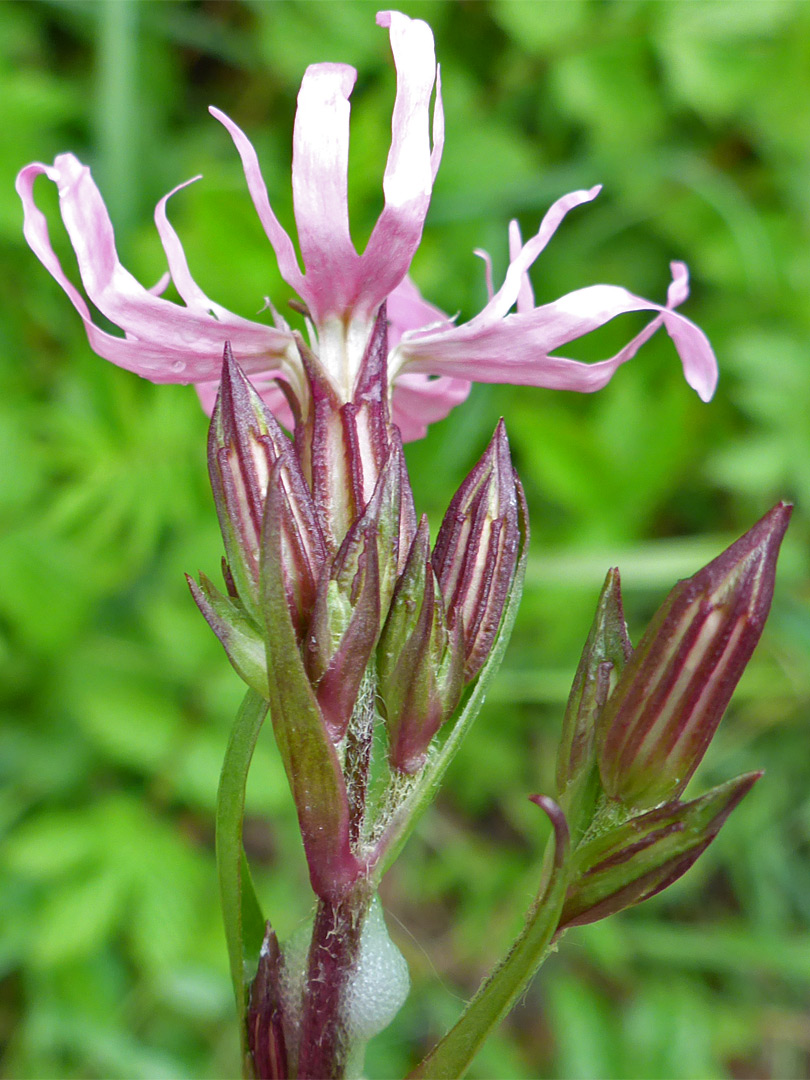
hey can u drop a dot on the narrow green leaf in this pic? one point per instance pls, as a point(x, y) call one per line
point(241, 913)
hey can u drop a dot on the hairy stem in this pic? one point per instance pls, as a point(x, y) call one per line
point(325, 1045)
point(358, 758)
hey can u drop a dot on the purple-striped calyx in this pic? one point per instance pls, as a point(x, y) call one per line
point(476, 550)
point(639, 858)
point(247, 451)
point(659, 720)
point(419, 661)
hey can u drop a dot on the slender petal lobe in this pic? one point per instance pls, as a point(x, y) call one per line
point(164, 342)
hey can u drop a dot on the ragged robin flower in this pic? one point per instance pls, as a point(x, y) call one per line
point(431, 359)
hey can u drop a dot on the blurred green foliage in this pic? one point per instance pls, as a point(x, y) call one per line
point(115, 697)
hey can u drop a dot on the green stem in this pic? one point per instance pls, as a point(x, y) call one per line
point(451, 1056)
point(241, 913)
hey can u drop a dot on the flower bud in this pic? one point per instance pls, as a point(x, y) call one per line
point(606, 651)
point(353, 598)
point(638, 859)
point(419, 663)
point(300, 540)
point(265, 1027)
point(343, 445)
point(477, 548)
point(344, 628)
point(659, 720)
point(244, 441)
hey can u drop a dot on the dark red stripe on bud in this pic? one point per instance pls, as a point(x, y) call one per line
point(477, 549)
point(419, 663)
point(638, 859)
point(301, 543)
point(265, 1018)
point(370, 399)
point(244, 441)
point(354, 598)
point(606, 652)
point(659, 720)
point(343, 446)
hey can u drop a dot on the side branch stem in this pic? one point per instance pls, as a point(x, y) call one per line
point(451, 1056)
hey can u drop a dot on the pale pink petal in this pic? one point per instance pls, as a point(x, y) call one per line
point(678, 289)
point(408, 310)
point(419, 400)
point(192, 295)
point(487, 260)
point(411, 165)
point(506, 297)
point(278, 237)
point(320, 195)
point(516, 349)
point(438, 127)
point(164, 342)
point(161, 285)
point(525, 296)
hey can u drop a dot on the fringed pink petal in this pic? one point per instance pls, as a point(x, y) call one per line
point(320, 192)
point(516, 349)
point(164, 342)
point(507, 296)
point(278, 237)
point(525, 296)
point(419, 400)
point(411, 165)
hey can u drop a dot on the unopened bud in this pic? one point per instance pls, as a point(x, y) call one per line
point(265, 1027)
point(638, 859)
point(606, 652)
point(477, 549)
point(353, 599)
point(659, 720)
point(344, 445)
point(419, 663)
point(244, 441)
point(292, 533)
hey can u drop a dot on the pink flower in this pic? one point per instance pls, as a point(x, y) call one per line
point(432, 360)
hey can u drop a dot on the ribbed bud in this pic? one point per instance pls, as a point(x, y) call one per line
point(353, 598)
point(638, 859)
point(246, 448)
point(244, 441)
point(419, 662)
point(606, 652)
point(477, 548)
point(300, 540)
point(659, 720)
point(343, 446)
point(265, 1026)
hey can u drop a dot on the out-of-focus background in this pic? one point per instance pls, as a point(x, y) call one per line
point(116, 700)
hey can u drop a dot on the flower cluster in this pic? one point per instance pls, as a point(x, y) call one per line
point(324, 628)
